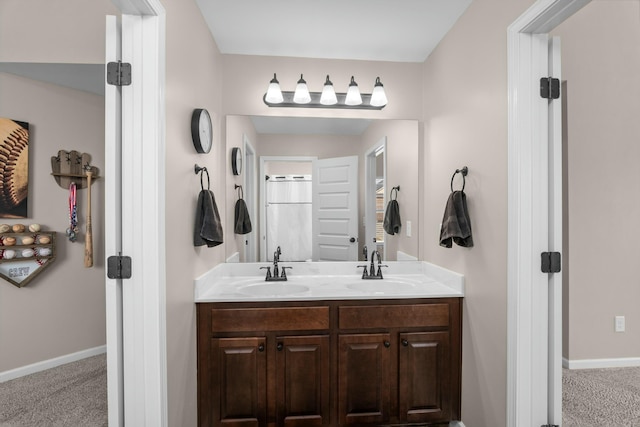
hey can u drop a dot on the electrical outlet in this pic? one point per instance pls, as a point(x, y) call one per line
point(408, 228)
point(620, 324)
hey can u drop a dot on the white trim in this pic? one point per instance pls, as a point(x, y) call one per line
point(51, 363)
point(143, 212)
point(370, 163)
point(621, 362)
point(527, 383)
point(249, 182)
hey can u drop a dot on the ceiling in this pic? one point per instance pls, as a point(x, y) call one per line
point(374, 30)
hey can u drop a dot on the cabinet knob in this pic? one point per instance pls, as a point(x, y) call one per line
point(387, 344)
point(405, 343)
point(280, 346)
point(261, 347)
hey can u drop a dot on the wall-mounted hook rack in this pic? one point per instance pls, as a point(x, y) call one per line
point(72, 166)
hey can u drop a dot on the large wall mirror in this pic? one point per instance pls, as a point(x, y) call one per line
point(318, 188)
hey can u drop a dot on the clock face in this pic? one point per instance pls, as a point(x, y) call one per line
point(236, 161)
point(201, 130)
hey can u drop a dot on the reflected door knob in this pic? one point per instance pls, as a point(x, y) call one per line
point(352, 240)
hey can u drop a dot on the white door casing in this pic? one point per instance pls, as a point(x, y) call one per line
point(249, 189)
point(370, 217)
point(335, 209)
point(529, 388)
point(142, 211)
point(555, 241)
point(113, 227)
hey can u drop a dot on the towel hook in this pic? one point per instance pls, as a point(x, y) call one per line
point(200, 170)
point(464, 171)
point(240, 191)
point(391, 193)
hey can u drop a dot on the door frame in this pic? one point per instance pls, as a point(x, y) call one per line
point(528, 384)
point(143, 218)
point(249, 190)
point(369, 190)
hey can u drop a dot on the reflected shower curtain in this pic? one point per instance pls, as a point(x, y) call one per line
point(289, 217)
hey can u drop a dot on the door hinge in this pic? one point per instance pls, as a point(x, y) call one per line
point(551, 262)
point(119, 267)
point(549, 88)
point(119, 73)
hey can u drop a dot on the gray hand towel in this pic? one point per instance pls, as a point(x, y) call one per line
point(208, 227)
point(392, 223)
point(242, 220)
point(456, 225)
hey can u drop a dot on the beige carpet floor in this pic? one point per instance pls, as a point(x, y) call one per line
point(601, 397)
point(72, 395)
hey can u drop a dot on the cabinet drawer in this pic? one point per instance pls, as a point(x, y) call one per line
point(269, 319)
point(394, 316)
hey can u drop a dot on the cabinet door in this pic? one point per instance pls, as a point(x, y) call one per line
point(363, 378)
point(303, 381)
point(424, 377)
point(239, 369)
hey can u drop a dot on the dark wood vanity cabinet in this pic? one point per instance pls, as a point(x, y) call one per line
point(334, 363)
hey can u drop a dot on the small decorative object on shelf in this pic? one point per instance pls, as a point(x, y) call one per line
point(25, 254)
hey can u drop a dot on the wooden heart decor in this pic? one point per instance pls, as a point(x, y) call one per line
point(25, 254)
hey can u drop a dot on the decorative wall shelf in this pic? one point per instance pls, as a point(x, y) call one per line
point(72, 166)
point(21, 263)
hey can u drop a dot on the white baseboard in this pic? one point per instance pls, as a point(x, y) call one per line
point(456, 424)
point(624, 362)
point(51, 363)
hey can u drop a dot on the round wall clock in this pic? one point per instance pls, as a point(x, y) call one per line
point(236, 160)
point(201, 130)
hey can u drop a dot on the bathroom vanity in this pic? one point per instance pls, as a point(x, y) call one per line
point(329, 349)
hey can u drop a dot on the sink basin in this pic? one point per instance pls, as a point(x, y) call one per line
point(267, 289)
point(384, 286)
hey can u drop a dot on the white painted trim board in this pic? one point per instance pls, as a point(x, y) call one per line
point(621, 362)
point(51, 363)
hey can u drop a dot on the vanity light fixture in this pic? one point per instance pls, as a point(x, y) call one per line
point(274, 94)
point(301, 95)
point(378, 97)
point(328, 98)
point(353, 94)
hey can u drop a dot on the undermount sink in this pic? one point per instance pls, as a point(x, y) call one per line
point(273, 289)
point(383, 286)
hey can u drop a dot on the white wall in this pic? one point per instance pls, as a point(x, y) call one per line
point(246, 79)
point(194, 80)
point(601, 43)
point(61, 311)
point(465, 124)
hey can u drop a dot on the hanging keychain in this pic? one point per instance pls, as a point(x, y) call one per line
point(72, 231)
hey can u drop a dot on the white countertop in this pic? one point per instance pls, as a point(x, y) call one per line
point(310, 281)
